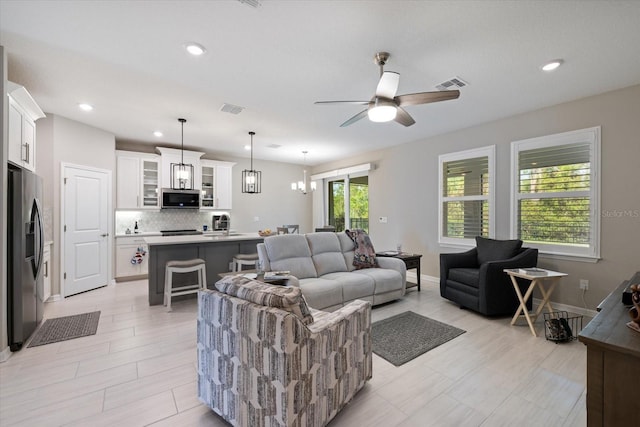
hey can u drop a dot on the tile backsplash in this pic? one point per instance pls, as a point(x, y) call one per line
point(170, 219)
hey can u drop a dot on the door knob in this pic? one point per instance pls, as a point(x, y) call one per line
point(104, 235)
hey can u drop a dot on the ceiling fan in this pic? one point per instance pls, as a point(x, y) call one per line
point(385, 105)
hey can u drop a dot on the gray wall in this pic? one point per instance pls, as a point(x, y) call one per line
point(61, 140)
point(404, 187)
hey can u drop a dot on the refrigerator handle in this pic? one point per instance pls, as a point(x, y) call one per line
point(40, 249)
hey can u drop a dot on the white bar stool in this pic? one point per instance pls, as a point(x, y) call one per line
point(187, 266)
point(244, 259)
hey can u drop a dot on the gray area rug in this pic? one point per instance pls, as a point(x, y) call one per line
point(66, 328)
point(407, 335)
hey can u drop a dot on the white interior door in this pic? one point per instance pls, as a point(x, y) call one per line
point(86, 229)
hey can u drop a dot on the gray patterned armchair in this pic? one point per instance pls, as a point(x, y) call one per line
point(263, 361)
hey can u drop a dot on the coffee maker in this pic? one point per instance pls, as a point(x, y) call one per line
point(221, 222)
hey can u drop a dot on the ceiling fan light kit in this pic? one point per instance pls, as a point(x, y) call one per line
point(385, 106)
point(383, 110)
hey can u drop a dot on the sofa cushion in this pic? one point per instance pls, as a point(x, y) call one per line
point(385, 280)
point(322, 293)
point(290, 252)
point(468, 276)
point(364, 255)
point(326, 253)
point(496, 250)
point(284, 297)
point(354, 286)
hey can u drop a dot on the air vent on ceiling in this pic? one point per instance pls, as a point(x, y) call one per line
point(453, 83)
point(230, 108)
point(274, 145)
point(252, 3)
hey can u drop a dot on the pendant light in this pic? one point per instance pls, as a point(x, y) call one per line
point(302, 185)
point(251, 178)
point(181, 173)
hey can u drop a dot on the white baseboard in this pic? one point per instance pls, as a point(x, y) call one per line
point(54, 298)
point(570, 308)
point(5, 354)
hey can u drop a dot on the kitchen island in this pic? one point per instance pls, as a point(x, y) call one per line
point(216, 250)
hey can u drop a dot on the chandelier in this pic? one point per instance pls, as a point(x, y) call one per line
point(251, 179)
point(302, 185)
point(181, 173)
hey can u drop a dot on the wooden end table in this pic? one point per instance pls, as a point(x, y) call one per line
point(539, 278)
point(410, 260)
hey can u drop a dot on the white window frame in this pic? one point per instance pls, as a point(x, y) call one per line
point(592, 136)
point(490, 153)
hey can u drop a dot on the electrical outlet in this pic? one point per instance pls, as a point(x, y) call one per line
point(382, 219)
point(584, 284)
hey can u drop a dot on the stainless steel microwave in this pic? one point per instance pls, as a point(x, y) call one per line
point(180, 199)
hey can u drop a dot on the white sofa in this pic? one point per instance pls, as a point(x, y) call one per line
point(323, 264)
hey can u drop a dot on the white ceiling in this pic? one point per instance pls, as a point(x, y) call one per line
point(127, 59)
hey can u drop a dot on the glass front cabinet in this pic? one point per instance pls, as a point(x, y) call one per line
point(137, 180)
point(216, 184)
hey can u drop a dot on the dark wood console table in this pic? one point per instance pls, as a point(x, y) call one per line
point(410, 261)
point(613, 363)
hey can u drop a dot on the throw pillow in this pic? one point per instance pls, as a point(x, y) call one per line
point(496, 250)
point(287, 298)
point(364, 255)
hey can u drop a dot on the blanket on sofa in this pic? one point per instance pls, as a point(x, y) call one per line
point(364, 254)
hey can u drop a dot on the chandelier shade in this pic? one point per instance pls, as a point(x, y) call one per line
point(251, 178)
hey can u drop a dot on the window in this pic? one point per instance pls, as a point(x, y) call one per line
point(466, 197)
point(357, 206)
point(556, 193)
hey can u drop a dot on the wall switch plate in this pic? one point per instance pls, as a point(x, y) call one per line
point(584, 284)
point(382, 219)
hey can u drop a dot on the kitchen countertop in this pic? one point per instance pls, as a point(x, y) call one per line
point(144, 234)
point(200, 238)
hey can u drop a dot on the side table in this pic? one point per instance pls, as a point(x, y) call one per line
point(410, 260)
point(538, 277)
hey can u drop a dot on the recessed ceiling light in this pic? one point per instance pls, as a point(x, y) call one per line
point(195, 49)
point(247, 147)
point(157, 133)
point(85, 107)
point(552, 65)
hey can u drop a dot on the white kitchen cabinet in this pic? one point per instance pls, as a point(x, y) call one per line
point(131, 256)
point(137, 180)
point(171, 156)
point(23, 112)
point(216, 178)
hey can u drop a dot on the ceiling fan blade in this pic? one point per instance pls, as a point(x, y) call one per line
point(341, 102)
point(426, 97)
point(403, 117)
point(352, 120)
point(388, 85)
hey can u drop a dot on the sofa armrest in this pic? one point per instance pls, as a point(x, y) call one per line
point(324, 320)
point(528, 257)
point(468, 259)
point(394, 264)
point(263, 257)
point(495, 285)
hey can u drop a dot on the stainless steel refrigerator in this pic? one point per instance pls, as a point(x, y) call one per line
point(25, 249)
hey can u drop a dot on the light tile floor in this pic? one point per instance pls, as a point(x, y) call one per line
point(140, 369)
